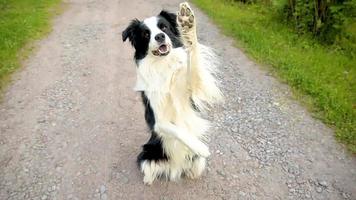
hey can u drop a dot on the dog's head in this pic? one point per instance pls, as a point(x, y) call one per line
point(154, 36)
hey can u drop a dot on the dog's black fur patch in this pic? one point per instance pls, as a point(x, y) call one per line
point(169, 20)
point(139, 35)
point(153, 149)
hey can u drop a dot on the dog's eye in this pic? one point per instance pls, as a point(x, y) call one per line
point(163, 27)
point(146, 34)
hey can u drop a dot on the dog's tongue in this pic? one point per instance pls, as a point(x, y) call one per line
point(162, 48)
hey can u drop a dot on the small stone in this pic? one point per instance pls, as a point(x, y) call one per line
point(319, 189)
point(102, 189)
point(44, 197)
point(124, 179)
point(40, 121)
point(241, 193)
point(104, 196)
point(345, 195)
point(234, 129)
point(323, 183)
point(221, 173)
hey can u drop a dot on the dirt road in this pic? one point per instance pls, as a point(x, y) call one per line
point(71, 125)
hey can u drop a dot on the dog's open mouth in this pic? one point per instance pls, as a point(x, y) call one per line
point(162, 50)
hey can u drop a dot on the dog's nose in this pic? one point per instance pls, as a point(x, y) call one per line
point(160, 37)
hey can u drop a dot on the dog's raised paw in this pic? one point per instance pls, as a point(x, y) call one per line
point(186, 18)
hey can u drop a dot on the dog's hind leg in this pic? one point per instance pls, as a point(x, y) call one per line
point(152, 170)
point(152, 161)
point(198, 166)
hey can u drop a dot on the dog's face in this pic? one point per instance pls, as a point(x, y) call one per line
point(154, 36)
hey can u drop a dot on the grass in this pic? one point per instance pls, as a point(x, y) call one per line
point(321, 77)
point(21, 22)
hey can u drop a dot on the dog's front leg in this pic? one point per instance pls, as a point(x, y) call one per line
point(201, 61)
point(187, 25)
point(191, 141)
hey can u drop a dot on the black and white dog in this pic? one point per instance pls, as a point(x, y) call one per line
point(175, 75)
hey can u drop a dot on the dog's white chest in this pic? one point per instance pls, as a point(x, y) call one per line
point(154, 74)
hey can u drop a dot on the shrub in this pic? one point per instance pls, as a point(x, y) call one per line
point(328, 20)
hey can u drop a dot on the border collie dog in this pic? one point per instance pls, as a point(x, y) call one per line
point(175, 75)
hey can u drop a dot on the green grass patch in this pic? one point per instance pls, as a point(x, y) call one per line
point(21, 22)
point(322, 77)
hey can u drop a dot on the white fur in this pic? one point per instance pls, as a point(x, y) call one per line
point(170, 83)
point(165, 82)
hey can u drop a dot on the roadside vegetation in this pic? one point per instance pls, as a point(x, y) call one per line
point(21, 22)
point(311, 45)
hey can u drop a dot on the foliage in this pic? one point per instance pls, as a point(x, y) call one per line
point(327, 20)
point(322, 77)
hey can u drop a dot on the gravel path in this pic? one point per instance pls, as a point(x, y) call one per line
point(71, 125)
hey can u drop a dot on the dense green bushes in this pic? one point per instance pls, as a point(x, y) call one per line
point(330, 21)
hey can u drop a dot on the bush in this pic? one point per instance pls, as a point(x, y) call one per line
point(328, 20)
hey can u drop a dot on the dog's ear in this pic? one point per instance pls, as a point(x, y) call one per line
point(172, 19)
point(130, 31)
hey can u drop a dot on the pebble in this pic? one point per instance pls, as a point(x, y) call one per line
point(323, 183)
point(104, 196)
point(41, 121)
point(102, 189)
point(241, 193)
point(221, 173)
point(124, 179)
point(345, 195)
